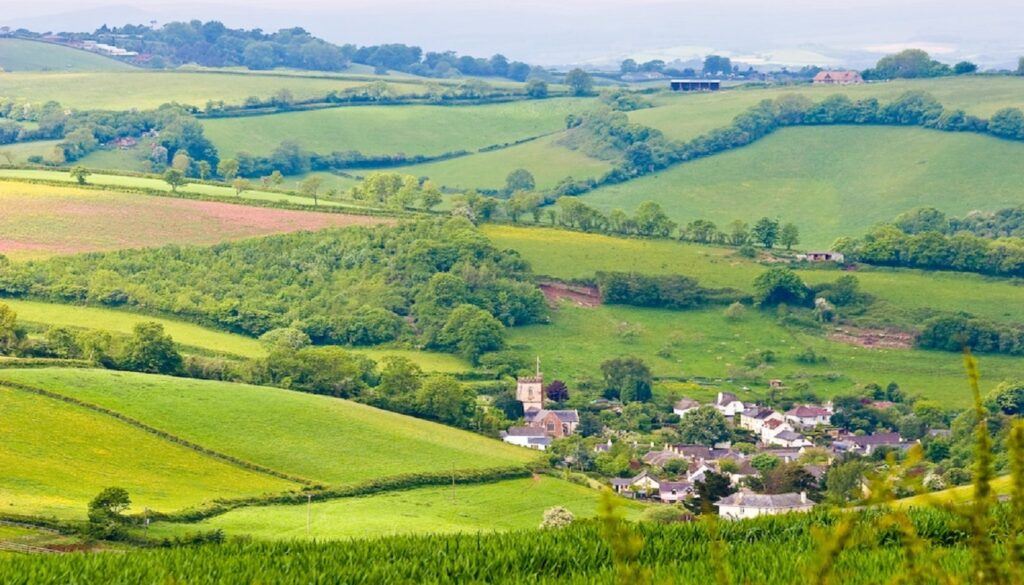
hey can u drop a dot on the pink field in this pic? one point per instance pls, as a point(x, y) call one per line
point(39, 221)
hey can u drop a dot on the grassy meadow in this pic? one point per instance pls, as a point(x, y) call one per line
point(413, 130)
point(57, 456)
point(319, 438)
point(44, 220)
point(516, 504)
point(25, 55)
point(813, 177)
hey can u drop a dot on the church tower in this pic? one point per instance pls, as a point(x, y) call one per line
point(530, 391)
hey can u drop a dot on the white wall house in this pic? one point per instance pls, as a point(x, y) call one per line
point(745, 504)
point(728, 404)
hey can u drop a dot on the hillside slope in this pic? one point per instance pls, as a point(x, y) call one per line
point(23, 55)
point(833, 181)
point(318, 438)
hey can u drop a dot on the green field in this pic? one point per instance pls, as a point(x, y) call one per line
point(21, 151)
point(507, 505)
point(815, 177)
point(573, 255)
point(24, 55)
point(958, 495)
point(315, 437)
point(44, 314)
point(57, 456)
point(143, 89)
point(704, 344)
point(413, 130)
point(44, 220)
point(685, 116)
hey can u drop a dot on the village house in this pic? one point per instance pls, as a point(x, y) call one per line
point(838, 78)
point(728, 404)
point(773, 427)
point(805, 416)
point(789, 439)
point(640, 485)
point(673, 492)
point(530, 437)
point(556, 423)
point(867, 444)
point(746, 504)
point(754, 417)
point(684, 406)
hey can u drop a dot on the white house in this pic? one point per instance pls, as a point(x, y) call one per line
point(530, 437)
point(728, 404)
point(645, 483)
point(773, 427)
point(789, 439)
point(745, 504)
point(684, 406)
point(805, 416)
point(674, 491)
point(754, 417)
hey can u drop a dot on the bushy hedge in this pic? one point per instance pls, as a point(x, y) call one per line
point(667, 291)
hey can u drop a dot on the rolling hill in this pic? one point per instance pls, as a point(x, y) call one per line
point(25, 55)
point(322, 439)
point(58, 456)
point(814, 177)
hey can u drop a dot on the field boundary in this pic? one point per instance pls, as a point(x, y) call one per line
point(230, 459)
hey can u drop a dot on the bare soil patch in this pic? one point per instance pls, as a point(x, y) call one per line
point(578, 294)
point(873, 338)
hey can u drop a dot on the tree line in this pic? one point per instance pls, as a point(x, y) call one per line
point(666, 291)
point(438, 284)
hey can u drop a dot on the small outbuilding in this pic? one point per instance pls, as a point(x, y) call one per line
point(695, 84)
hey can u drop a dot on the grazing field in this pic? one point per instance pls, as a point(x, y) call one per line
point(413, 130)
point(57, 456)
point(917, 292)
point(548, 161)
point(24, 55)
point(123, 90)
point(958, 495)
point(467, 508)
point(319, 438)
point(157, 184)
point(815, 177)
point(685, 116)
point(43, 220)
point(21, 151)
point(704, 344)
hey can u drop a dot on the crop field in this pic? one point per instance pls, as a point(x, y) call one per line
point(413, 130)
point(123, 90)
point(814, 177)
point(685, 116)
point(580, 256)
point(704, 344)
point(23, 55)
point(58, 456)
point(43, 220)
point(548, 161)
point(516, 504)
point(315, 437)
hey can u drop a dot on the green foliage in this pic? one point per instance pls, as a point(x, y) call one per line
point(704, 426)
point(150, 350)
point(557, 517)
point(670, 292)
point(579, 82)
point(780, 285)
point(175, 178)
point(520, 180)
point(628, 379)
point(909, 63)
point(1008, 397)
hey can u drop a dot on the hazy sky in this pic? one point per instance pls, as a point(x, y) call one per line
point(571, 31)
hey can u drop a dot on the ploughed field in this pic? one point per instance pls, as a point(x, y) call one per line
point(44, 220)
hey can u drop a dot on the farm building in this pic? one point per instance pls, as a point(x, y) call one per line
point(695, 84)
point(822, 257)
point(838, 78)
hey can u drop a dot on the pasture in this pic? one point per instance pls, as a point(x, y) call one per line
point(148, 89)
point(516, 504)
point(815, 177)
point(704, 344)
point(43, 220)
point(914, 294)
point(412, 130)
point(685, 116)
point(57, 456)
point(25, 55)
point(319, 438)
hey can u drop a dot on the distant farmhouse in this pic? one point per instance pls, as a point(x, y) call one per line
point(695, 84)
point(821, 257)
point(838, 78)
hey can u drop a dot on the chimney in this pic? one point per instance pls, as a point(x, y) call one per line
point(803, 497)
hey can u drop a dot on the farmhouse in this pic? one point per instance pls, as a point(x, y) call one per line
point(674, 491)
point(642, 484)
point(728, 404)
point(788, 439)
point(695, 84)
point(838, 78)
point(745, 504)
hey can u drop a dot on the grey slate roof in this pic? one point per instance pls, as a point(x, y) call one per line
point(769, 501)
point(525, 432)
